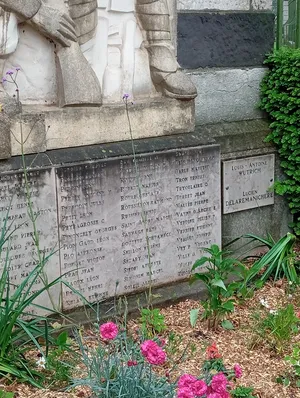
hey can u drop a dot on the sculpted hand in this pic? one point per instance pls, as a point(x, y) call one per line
point(55, 24)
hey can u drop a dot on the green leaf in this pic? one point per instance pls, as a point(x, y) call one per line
point(62, 339)
point(227, 325)
point(202, 277)
point(194, 314)
point(228, 305)
point(219, 283)
point(200, 262)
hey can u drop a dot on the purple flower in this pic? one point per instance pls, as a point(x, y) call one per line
point(3, 80)
point(125, 96)
point(18, 68)
point(10, 72)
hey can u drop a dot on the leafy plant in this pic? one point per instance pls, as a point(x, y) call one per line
point(293, 376)
point(242, 392)
point(280, 98)
point(278, 262)
point(219, 301)
point(152, 322)
point(6, 394)
point(276, 328)
point(60, 362)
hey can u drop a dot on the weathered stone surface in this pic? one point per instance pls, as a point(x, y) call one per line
point(32, 132)
point(101, 228)
point(261, 4)
point(274, 220)
point(222, 5)
point(73, 127)
point(76, 85)
point(113, 50)
point(224, 40)
point(247, 183)
point(5, 139)
point(10, 108)
point(227, 95)
point(24, 8)
point(244, 139)
point(22, 252)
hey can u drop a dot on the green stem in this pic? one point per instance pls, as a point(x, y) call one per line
point(143, 213)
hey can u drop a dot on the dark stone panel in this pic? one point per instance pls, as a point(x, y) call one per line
point(224, 40)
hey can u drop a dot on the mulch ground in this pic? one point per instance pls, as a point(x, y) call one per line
point(260, 365)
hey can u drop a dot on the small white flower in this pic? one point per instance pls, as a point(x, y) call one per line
point(41, 362)
point(273, 312)
point(290, 282)
point(290, 296)
point(264, 303)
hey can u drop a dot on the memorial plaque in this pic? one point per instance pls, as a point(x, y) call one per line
point(21, 249)
point(247, 183)
point(107, 248)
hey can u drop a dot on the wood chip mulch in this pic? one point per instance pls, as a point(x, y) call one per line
point(261, 366)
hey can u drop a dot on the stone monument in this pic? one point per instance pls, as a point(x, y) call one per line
point(123, 45)
point(75, 60)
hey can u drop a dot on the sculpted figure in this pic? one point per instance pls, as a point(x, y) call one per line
point(77, 26)
point(77, 82)
point(154, 18)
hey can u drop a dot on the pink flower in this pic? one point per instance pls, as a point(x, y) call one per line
point(199, 388)
point(131, 363)
point(153, 353)
point(219, 383)
point(237, 370)
point(224, 394)
point(185, 393)
point(109, 331)
point(186, 380)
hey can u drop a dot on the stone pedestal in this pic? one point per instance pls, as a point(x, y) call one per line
point(119, 220)
point(49, 128)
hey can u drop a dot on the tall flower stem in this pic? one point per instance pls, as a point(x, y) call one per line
point(143, 212)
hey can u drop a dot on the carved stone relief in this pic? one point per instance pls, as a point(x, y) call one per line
point(127, 47)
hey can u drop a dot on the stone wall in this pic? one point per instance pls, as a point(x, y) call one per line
point(222, 46)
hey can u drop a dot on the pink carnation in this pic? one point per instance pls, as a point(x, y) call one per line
point(224, 394)
point(238, 371)
point(219, 383)
point(186, 380)
point(199, 388)
point(185, 392)
point(109, 331)
point(153, 353)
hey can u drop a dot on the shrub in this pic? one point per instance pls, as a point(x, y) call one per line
point(280, 91)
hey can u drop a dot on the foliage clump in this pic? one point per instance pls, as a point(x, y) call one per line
point(280, 92)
